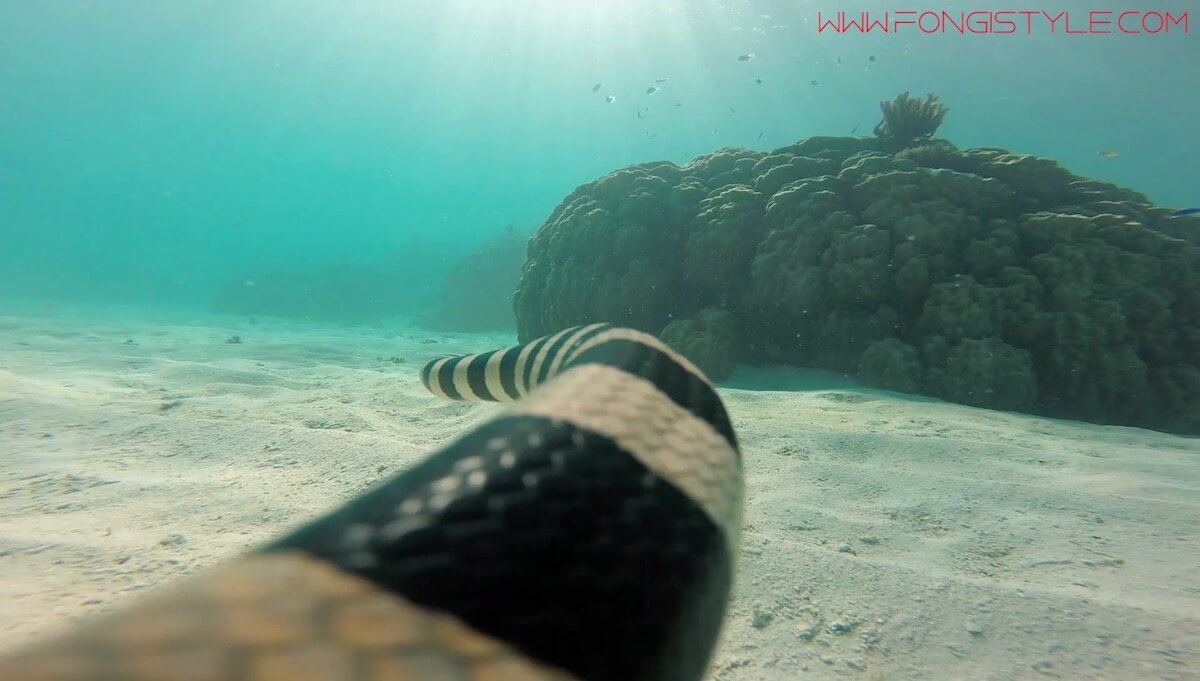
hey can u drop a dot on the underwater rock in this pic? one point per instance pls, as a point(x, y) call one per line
point(981, 276)
point(709, 341)
point(891, 364)
point(985, 372)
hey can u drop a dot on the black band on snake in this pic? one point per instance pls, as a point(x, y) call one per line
point(588, 532)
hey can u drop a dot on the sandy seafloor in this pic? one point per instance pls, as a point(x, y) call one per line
point(886, 537)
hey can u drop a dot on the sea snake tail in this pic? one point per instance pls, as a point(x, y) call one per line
point(508, 374)
point(588, 532)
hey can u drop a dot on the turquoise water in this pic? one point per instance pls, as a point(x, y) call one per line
point(156, 151)
point(315, 172)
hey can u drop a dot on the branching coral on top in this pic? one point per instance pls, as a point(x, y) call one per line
point(906, 118)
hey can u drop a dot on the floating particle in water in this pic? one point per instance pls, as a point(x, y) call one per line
point(610, 99)
point(596, 86)
point(814, 82)
point(1185, 211)
point(760, 135)
point(745, 57)
point(651, 90)
point(871, 58)
point(678, 103)
point(854, 130)
point(758, 80)
point(837, 60)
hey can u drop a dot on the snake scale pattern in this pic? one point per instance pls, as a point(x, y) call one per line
point(588, 532)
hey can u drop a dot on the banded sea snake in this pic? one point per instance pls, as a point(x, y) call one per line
point(587, 533)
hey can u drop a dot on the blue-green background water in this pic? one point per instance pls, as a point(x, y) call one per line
point(154, 151)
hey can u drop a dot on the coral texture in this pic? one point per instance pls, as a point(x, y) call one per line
point(980, 276)
point(709, 340)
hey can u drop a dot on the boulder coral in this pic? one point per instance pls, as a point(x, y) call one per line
point(980, 276)
point(709, 340)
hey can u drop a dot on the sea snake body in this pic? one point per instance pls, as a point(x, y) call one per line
point(588, 532)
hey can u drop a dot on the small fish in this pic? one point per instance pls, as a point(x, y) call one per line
point(639, 113)
point(651, 90)
point(731, 110)
point(1109, 153)
point(854, 130)
point(814, 82)
point(871, 58)
point(660, 80)
point(837, 60)
point(745, 57)
point(596, 86)
point(1185, 211)
point(758, 80)
point(610, 99)
point(678, 103)
point(760, 135)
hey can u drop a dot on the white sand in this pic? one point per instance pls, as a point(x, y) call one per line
point(886, 537)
